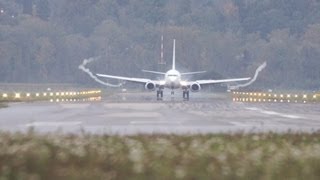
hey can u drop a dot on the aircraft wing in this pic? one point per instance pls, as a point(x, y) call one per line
point(221, 80)
point(137, 80)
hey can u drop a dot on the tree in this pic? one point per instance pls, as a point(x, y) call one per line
point(27, 6)
point(43, 9)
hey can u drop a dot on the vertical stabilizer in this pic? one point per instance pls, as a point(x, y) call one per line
point(174, 55)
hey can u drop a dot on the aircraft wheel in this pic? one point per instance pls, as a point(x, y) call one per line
point(159, 95)
point(185, 95)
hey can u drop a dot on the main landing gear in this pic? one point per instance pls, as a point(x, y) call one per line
point(185, 95)
point(159, 94)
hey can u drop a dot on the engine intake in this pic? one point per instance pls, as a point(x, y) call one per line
point(195, 87)
point(150, 86)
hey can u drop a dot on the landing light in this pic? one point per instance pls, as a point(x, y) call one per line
point(17, 95)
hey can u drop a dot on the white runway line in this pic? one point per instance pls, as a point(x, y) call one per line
point(155, 122)
point(52, 123)
point(289, 116)
point(74, 106)
point(239, 123)
point(134, 115)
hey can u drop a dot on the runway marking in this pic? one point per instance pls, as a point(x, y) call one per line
point(275, 113)
point(74, 106)
point(156, 122)
point(53, 123)
point(239, 123)
point(134, 115)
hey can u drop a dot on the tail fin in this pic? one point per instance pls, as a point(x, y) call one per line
point(174, 55)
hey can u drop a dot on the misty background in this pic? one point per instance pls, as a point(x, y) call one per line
point(44, 41)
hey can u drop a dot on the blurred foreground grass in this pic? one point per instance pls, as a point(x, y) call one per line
point(238, 156)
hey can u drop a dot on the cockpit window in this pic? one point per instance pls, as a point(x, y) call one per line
point(172, 75)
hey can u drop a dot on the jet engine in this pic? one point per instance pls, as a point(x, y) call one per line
point(195, 87)
point(150, 86)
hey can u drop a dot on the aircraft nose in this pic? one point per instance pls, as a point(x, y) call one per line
point(172, 78)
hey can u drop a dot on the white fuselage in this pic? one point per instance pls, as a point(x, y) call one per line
point(172, 79)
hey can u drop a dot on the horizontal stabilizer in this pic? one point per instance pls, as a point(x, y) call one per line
point(153, 72)
point(196, 72)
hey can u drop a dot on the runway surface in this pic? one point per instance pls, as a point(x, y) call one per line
point(133, 113)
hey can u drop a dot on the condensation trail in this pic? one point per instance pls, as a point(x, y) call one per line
point(260, 68)
point(86, 70)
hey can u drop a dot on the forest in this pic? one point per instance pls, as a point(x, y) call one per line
point(44, 41)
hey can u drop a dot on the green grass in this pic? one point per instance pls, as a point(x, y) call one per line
point(2, 105)
point(238, 156)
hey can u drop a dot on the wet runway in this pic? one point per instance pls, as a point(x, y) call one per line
point(133, 113)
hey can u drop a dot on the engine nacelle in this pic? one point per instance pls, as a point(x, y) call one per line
point(151, 86)
point(195, 87)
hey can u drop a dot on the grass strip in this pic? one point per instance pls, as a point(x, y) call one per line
point(3, 105)
point(212, 156)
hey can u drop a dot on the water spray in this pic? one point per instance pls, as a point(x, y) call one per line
point(86, 70)
point(260, 68)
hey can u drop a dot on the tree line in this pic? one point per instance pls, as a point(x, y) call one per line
point(45, 41)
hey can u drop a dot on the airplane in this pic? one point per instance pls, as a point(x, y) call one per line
point(172, 80)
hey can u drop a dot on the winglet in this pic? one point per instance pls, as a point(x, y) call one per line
point(174, 55)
